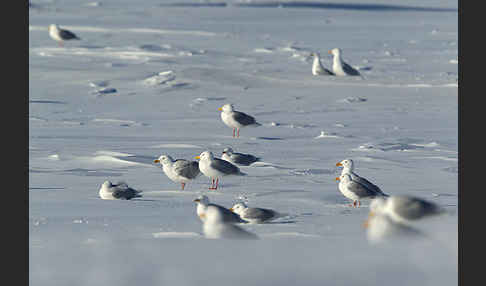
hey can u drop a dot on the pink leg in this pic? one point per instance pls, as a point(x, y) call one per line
point(217, 180)
point(212, 185)
point(238, 133)
point(359, 203)
point(234, 132)
point(183, 185)
point(354, 204)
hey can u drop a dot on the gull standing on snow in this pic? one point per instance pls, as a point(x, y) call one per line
point(238, 158)
point(254, 215)
point(236, 119)
point(348, 168)
point(356, 191)
point(61, 35)
point(203, 206)
point(214, 227)
point(215, 168)
point(339, 67)
point(404, 209)
point(317, 68)
point(179, 170)
point(122, 191)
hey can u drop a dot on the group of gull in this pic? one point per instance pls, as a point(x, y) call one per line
point(388, 215)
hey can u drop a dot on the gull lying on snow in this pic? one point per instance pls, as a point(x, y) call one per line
point(254, 215)
point(122, 191)
point(179, 170)
point(339, 67)
point(318, 68)
point(356, 191)
point(236, 119)
point(61, 35)
point(238, 158)
point(215, 168)
point(404, 209)
point(381, 227)
point(203, 206)
point(215, 227)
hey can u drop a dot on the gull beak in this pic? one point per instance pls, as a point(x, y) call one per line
point(337, 179)
point(231, 209)
point(329, 52)
point(197, 157)
point(157, 161)
point(338, 164)
point(197, 200)
point(366, 224)
point(202, 216)
point(220, 109)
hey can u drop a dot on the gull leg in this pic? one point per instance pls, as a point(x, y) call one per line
point(238, 132)
point(212, 185)
point(359, 203)
point(354, 203)
point(234, 132)
point(183, 185)
point(217, 180)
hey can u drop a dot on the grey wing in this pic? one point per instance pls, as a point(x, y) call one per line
point(244, 159)
point(259, 213)
point(361, 190)
point(243, 118)
point(67, 35)
point(366, 183)
point(225, 167)
point(414, 208)
point(229, 216)
point(187, 169)
point(350, 70)
point(127, 193)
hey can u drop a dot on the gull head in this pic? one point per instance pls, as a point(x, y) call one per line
point(335, 51)
point(315, 54)
point(106, 184)
point(53, 27)
point(203, 199)
point(228, 151)
point(228, 107)
point(377, 206)
point(346, 164)
point(344, 178)
point(164, 159)
point(206, 155)
point(238, 208)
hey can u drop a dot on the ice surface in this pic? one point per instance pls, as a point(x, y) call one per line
point(172, 64)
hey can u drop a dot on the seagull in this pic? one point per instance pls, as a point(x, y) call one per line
point(348, 168)
point(61, 35)
point(236, 119)
point(339, 67)
point(381, 227)
point(122, 191)
point(254, 215)
point(179, 170)
point(203, 206)
point(214, 168)
point(404, 209)
point(214, 227)
point(317, 68)
point(356, 191)
point(238, 158)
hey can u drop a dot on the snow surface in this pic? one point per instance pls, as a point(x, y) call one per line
point(147, 79)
